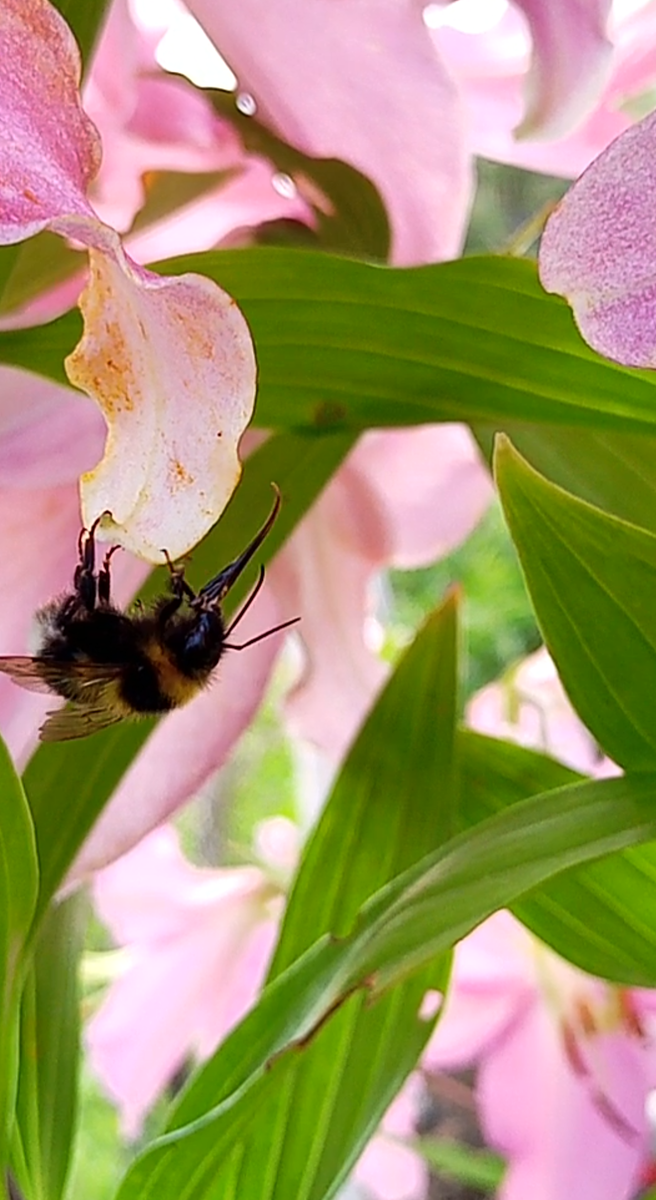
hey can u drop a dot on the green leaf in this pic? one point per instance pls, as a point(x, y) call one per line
point(394, 799)
point(597, 915)
point(167, 191)
point(615, 471)
point(591, 577)
point(400, 930)
point(392, 803)
point(28, 269)
point(70, 782)
point(498, 861)
point(478, 1168)
point(18, 891)
point(48, 1069)
point(343, 344)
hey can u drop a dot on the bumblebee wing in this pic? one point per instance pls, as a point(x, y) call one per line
point(27, 672)
point(44, 674)
point(76, 721)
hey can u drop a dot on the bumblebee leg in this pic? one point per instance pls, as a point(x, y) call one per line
point(104, 577)
point(84, 579)
point(179, 586)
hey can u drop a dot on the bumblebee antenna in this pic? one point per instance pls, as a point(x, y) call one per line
point(245, 607)
point(242, 612)
point(261, 636)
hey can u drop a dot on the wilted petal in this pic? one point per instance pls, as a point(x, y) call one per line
point(170, 361)
point(49, 149)
point(599, 249)
point(562, 87)
point(359, 82)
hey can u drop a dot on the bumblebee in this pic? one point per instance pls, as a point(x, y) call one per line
point(112, 665)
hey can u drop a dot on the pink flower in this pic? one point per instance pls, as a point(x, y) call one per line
point(599, 249)
point(528, 705)
point(154, 349)
point(403, 498)
point(388, 1169)
point(565, 1065)
point(197, 943)
point(530, 101)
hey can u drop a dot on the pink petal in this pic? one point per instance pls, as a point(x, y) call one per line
point(492, 66)
point(196, 961)
point(402, 498)
point(48, 434)
point(432, 485)
point(563, 88)
point(230, 211)
point(38, 531)
point(150, 891)
point(170, 361)
point(325, 578)
point(388, 1169)
point(529, 706)
point(599, 248)
point(238, 978)
point(166, 773)
point(149, 122)
point(50, 150)
point(492, 985)
point(360, 82)
point(391, 1171)
point(550, 1122)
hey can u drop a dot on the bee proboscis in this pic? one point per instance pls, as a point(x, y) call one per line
point(112, 665)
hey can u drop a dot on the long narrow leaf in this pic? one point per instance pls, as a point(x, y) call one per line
point(343, 344)
point(597, 915)
point(418, 915)
point(18, 893)
point(49, 1060)
point(393, 802)
point(591, 577)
